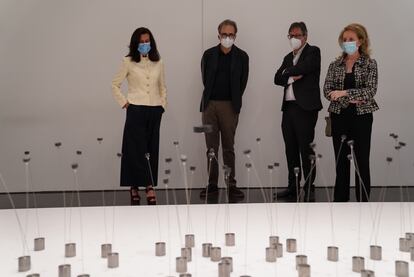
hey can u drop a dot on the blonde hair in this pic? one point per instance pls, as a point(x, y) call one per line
point(362, 35)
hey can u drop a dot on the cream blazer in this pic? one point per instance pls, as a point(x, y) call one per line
point(146, 83)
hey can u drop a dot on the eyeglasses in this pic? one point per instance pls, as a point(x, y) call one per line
point(299, 36)
point(225, 35)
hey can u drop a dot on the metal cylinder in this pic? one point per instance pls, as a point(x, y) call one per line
point(33, 275)
point(189, 240)
point(105, 250)
point(83, 275)
point(160, 249)
point(409, 236)
point(367, 273)
point(24, 263)
point(206, 247)
point(301, 259)
point(39, 244)
point(70, 250)
point(304, 270)
point(185, 275)
point(186, 253)
point(271, 254)
point(279, 250)
point(181, 264)
point(273, 241)
point(230, 260)
point(230, 239)
point(401, 269)
point(333, 253)
point(113, 260)
point(412, 253)
point(215, 254)
point(64, 270)
point(404, 245)
point(358, 264)
point(375, 252)
point(224, 269)
point(291, 245)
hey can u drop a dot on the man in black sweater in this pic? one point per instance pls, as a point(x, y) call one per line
point(299, 75)
point(224, 70)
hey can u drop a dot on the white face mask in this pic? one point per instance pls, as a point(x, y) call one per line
point(295, 43)
point(227, 42)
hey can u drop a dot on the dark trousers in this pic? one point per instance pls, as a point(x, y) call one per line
point(357, 128)
point(224, 120)
point(298, 128)
point(141, 136)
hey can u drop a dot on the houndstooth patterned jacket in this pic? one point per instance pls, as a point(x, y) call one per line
point(366, 82)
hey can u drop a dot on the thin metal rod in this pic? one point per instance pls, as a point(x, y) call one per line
point(19, 223)
point(168, 228)
point(402, 208)
point(184, 167)
point(119, 155)
point(177, 214)
point(247, 220)
point(269, 211)
point(59, 161)
point(147, 156)
point(330, 200)
point(75, 175)
point(26, 224)
point(206, 202)
point(103, 200)
point(34, 195)
point(275, 205)
point(380, 205)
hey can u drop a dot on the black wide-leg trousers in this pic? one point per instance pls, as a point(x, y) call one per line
point(140, 146)
point(357, 128)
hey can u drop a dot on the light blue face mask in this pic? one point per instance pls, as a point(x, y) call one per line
point(349, 47)
point(144, 48)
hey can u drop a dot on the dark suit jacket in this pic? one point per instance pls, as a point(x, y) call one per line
point(239, 75)
point(306, 89)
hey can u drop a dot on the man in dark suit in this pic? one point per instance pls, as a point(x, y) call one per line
point(224, 70)
point(299, 75)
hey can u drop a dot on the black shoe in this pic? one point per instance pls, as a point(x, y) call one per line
point(235, 192)
point(309, 194)
point(287, 193)
point(210, 190)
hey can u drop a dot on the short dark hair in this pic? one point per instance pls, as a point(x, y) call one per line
point(301, 25)
point(227, 22)
point(153, 54)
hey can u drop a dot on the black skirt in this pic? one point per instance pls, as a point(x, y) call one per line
point(140, 146)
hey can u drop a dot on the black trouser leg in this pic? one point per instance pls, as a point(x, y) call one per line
point(209, 116)
point(291, 149)
point(362, 137)
point(298, 128)
point(153, 141)
point(340, 127)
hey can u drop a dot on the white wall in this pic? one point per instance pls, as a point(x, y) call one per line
point(58, 59)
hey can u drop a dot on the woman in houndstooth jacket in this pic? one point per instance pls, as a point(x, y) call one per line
point(350, 86)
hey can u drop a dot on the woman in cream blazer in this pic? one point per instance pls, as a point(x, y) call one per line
point(145, 101)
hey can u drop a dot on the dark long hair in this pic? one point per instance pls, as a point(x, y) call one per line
point(153, 54)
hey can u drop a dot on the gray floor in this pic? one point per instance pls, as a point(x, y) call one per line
point(121, 197)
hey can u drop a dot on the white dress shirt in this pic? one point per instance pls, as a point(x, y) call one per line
point(290, 96)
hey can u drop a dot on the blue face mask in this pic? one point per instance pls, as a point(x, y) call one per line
point(349, 47)
point(144, 48)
